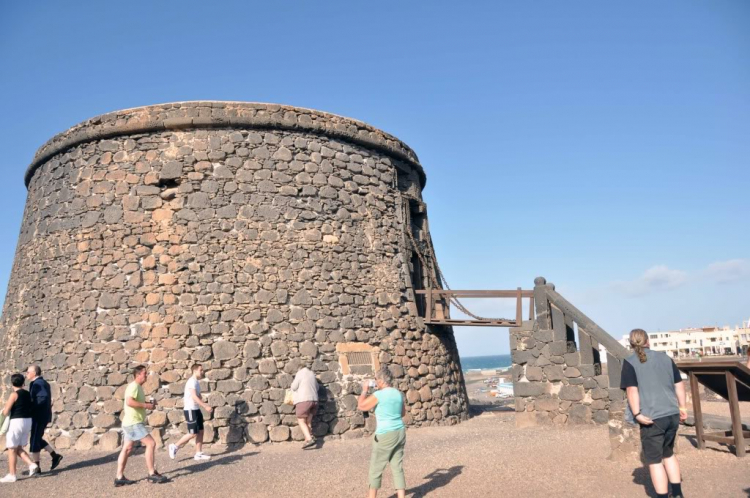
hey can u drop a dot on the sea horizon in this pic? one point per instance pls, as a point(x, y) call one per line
point(485, 362)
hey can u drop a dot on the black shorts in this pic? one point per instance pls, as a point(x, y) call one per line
point(36, 441)
point(194, 421)
point(658, 438)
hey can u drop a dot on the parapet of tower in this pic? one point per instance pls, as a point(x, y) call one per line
point(250, 238)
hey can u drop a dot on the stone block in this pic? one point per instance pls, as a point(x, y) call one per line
point(571, 393)
point(587, 370)
point(600, 394)
point(157, 419)
point(572, 372)
point(86, 441)
point(61, 442)
point(279, 433)
point(109, 441)
point(543, 335)
point(105, 421)
point(521, 357)
point(579, 415)
point(558, 348)
point(534, 373)
point(233, 434)
point(553, 373)
point(547, 403)
point(229, 386)
point(526, 389)
point(267, 367)
point(225, 350)
point(572, 359)
point(257, 432)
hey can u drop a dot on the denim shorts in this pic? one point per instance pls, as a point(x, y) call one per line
point(134, 432)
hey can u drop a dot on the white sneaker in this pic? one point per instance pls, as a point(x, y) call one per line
point(202, 456)
point(173, 451)
point(8, 478)
point(34, 469)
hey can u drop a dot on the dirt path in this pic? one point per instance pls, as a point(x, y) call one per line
point(483, 457)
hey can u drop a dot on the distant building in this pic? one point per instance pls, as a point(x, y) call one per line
point(707, 341)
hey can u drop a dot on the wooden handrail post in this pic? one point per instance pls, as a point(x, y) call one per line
point(519, 308)
point(541, 303)
point(734, 409)
point(428, 304)
point(697, 412)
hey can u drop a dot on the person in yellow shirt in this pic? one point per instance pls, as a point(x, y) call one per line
point(134, 429)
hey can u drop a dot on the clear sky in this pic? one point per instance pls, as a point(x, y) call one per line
point(603, 145)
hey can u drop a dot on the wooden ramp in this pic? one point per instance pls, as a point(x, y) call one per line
point(731, 381)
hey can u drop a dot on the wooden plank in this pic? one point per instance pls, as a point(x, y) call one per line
point(610, 343)
point(531, 308)
point(428, 304)
point(697, 412)
point(570, 333)
point(477, 293)
point(718, 439)
point(734, 409)
point(541, 304)
point(558, 324)
point(519, 307)
point(585, 347)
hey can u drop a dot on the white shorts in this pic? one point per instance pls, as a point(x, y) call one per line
point(18, 432)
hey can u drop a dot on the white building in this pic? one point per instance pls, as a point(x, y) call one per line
point(707, 341)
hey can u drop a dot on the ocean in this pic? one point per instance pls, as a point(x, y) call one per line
point(485, 362)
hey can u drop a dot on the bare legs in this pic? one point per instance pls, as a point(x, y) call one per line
point(198, 441)
point(306, 425)
point(13, 454)
point(664, 473)
point(127, 448)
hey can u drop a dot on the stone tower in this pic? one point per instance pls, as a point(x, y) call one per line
point(250, 238)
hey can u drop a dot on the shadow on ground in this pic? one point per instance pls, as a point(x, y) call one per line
point(200, 466)
point(642, 477)
point(723, 447)
point(435, 480)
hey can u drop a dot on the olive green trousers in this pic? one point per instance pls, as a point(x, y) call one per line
point(388, 448)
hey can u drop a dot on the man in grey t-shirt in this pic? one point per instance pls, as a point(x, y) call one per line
point(656, 395)
point(193, 402)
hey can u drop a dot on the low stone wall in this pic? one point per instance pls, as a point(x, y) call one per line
point(551, 385)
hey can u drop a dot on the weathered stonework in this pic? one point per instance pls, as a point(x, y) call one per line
point(555, 381)
point(250, 238)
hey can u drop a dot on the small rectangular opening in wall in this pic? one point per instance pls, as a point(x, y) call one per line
point(357, 358)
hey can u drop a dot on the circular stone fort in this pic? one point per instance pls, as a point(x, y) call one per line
point(250, 238)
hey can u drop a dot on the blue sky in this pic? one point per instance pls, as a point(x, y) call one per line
point(603, 145)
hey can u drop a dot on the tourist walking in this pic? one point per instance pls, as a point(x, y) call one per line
point(390, 434)
point(192, 403)
point(134, 428)
point(18, 409)
point(656, 395)
point(41, 416)
point(305, 397)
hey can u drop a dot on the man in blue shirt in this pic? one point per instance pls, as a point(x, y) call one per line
point(41, 416)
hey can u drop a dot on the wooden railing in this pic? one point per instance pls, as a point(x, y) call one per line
point(556, 313)
point(438, 312)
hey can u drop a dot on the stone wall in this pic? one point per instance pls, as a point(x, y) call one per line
point(250, 238)
point(557, 377)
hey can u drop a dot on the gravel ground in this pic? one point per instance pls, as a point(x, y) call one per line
point(483, 457)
